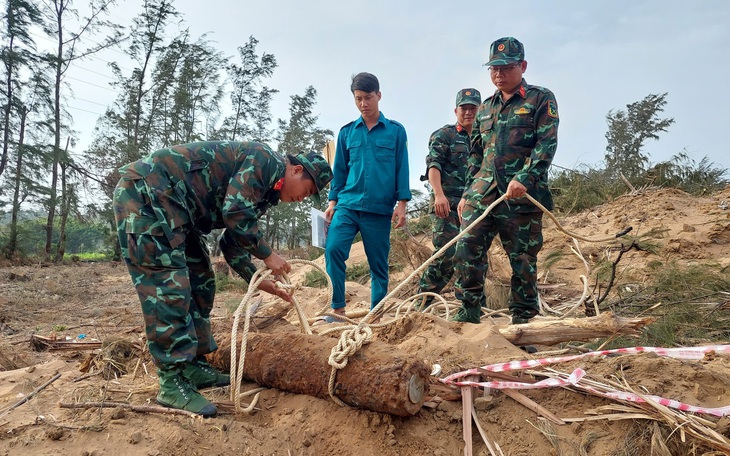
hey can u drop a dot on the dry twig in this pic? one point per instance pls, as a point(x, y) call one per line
point(134, 408)
point(29, 396)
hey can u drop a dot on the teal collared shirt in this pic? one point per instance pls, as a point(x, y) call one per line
point(371, 167)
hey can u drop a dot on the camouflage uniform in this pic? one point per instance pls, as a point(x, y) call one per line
point(163, 206)
point(448, 151)
point(518, 141)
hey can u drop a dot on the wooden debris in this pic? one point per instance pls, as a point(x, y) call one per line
point(445, 392)
point(467, 405)
point(503, 376)
point(84, 377)
point(684, 423)
point(552, 332)
point(485, 438)
point(41, 343)
point(134, 408)
point(611, 417)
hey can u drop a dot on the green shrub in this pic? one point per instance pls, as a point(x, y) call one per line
point(359, 273)
point(688, 302)
point(687, 175)
point(224, 283)
point(97, 256)
point(315, 279)
point(422, 224)
point(574, 191)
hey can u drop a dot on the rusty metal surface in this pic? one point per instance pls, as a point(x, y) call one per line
point(378, 377)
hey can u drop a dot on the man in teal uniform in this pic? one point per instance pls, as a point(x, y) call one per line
point(446, 167)
point(163, 206)
point(518, 128)
point(370, 179)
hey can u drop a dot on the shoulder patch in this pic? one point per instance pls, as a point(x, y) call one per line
point(540, 89)
point(397, 123)
point(552, 109)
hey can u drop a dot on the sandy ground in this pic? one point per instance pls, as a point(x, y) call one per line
point(95, 302)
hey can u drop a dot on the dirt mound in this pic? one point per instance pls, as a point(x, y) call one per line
point(669, 225)
point(87, 302)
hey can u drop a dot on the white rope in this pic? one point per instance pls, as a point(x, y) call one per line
point(243, 307)
point(361, 338)
point(355, 335)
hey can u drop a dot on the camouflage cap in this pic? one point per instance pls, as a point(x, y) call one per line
point(317, 167)
point(468, 96)
point(505, 51)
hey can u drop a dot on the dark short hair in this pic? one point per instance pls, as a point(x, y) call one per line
point(366, 82)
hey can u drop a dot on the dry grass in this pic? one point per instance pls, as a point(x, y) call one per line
point(116, 358)
point(670, 428)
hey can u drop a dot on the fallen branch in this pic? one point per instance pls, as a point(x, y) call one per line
point(84, 377)
point(552, 332)
point(611, 417)
point(132, 407)
point(501, 376)
point(29, 396)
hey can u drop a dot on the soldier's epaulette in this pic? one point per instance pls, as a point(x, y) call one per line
point(348, 124)
point(436, 133)
point(397, 123)
point(446, 128)
point(541, 89)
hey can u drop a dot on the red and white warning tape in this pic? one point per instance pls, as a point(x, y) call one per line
point(574, 379)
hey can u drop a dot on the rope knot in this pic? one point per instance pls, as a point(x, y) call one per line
point(351, 340)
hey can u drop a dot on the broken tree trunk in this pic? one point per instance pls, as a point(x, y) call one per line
point(378, 377)
point(551, 332)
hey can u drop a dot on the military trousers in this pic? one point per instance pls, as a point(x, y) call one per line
point(438, 273)
point(521, 237)
point(174, 280)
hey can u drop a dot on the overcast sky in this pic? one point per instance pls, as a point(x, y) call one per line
point(594, 55)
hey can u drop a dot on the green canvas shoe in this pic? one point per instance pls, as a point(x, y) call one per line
point(177, 392)
point(203, 375)
point(468, 315)
point(522, 317)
